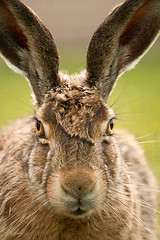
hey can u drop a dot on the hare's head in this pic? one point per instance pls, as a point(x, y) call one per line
point(75, 125)
point(75, 159)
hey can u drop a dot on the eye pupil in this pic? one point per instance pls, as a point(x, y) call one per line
point(38, 125)
point(39, 128)
point(110, 127)
point(111, 124)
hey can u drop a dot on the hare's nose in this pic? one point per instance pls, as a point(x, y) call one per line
point(78, 183)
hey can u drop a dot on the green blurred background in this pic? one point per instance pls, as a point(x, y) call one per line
point(135, 99)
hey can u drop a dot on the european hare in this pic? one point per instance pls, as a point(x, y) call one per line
point(64, 175)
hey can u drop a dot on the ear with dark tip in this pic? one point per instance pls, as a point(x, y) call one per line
point(120, 41)
point(28, 47)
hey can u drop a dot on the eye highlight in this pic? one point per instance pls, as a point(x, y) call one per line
point(110, 127)
point(39, 128)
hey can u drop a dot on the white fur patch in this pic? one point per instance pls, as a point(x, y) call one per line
point(14, 68)
point(134, 63)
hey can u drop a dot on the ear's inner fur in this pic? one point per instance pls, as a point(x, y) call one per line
point(19, 38)
point(28, 47)
point(9, 25)
point(121, 40)
point(137, 45)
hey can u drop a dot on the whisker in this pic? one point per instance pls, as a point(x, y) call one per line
point(114, 212)
point(136, 218)
point(152, 187)
point(27, 204)
point(144, 136)
point(153, 141)
point(142, 203)
point(34, 215)
point(146, 227)
point(118, 217)
point(120, 94)
point(125, 104)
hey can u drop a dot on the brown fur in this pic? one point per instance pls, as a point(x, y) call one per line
point(76, 180)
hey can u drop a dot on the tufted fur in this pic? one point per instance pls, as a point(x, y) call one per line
point(76, 180)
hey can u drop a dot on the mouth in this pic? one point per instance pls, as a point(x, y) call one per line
point(79, 212)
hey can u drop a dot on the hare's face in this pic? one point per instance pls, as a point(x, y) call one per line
point(76, 129)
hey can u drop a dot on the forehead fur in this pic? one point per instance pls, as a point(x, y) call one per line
point(75, 109)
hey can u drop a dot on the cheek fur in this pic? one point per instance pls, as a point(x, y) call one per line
point(37, 163)
point(112, 159)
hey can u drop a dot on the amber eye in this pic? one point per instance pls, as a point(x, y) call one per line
point(110, 127)
point(39, 128)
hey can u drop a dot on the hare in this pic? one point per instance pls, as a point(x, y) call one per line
point(64, 173)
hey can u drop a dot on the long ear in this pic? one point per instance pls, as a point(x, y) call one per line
point(120, 41)
point(28, 47)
